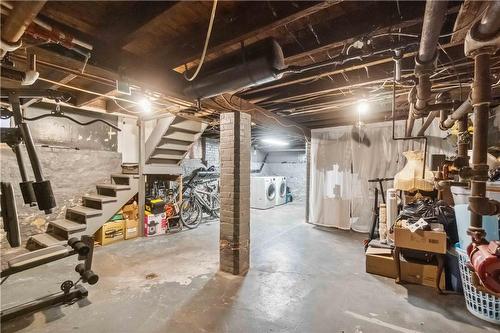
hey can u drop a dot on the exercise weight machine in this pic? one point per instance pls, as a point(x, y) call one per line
point(37, 193)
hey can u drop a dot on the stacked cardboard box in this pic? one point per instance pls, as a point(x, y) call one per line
point(131, 215)
point(381, 261)
point(110, 232)
point(412, 272)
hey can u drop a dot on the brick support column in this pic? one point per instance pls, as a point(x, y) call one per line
point(235, 192)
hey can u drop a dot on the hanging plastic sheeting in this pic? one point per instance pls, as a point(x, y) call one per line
point(330, 177)
point(341, 167)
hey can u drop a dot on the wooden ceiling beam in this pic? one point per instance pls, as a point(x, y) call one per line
point(244, 27)
point(136, 16)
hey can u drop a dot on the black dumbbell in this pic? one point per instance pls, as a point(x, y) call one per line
point(87, 275)
point(80, 247)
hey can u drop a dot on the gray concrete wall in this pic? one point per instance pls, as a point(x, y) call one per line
point(72, 173)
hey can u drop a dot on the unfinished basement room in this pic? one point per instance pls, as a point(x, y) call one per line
point(250, 166)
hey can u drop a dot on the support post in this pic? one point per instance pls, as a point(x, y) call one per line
point(308, 179)
point(141, 198)
point(235, 192)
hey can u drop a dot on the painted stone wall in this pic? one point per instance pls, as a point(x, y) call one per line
point(72, 173)
point(73, 157)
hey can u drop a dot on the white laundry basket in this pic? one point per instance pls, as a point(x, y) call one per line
point(481, 305)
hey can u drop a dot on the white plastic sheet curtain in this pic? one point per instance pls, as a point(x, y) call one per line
point(340, 168)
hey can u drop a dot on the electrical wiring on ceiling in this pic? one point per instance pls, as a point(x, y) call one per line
point(205, 47)
point(268, 116)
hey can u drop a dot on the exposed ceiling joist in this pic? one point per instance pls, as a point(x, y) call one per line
point(120, 34)
point(225, 36)
point(333, 34)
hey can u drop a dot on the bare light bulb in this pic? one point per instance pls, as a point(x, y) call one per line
point(363, 107)
point(145, 105)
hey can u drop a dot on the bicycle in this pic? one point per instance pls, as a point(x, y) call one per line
point(203, 197)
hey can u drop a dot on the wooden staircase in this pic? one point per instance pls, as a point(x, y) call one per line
point(95, 210)
point(169, 143)
point(165, 149)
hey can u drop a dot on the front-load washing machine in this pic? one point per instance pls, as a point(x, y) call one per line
point(280, 190)
point(262, 192)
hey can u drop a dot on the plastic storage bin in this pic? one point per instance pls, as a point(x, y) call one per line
point(481, 305)
point(490, 223)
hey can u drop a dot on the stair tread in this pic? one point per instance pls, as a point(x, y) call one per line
point(173, 152)
point(174, 146)
point(121, 175)
point(167, 156)
point(46, 239)
point(100, 198)
point(82, 210)
point(179, 136)
point(114, 186)
point(68, 225)
point(189, 126)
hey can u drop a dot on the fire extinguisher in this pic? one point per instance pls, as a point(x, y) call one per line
point(485, 262)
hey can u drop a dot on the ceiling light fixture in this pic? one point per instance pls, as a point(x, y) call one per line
point(274, 142)
point(145, 105)
point(363, 106)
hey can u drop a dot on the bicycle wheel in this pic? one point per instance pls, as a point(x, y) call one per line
point(190, 213)
point(215, 212)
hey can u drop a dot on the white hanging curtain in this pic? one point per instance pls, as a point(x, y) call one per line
point(340, 195)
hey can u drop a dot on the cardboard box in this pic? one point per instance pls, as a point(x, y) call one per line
point(380, 264)
point(429, 241)
point(155, 225)
point(383, 264)
point(424, 274)
point(131, 228)
point(131, 212)
point(110, 232)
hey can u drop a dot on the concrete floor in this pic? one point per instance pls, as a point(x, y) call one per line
point(302, 279)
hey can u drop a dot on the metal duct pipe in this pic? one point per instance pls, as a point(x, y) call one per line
point(490, 23)
point(248, 72)
point(481, 97)
point(447, 122)
point(443, 100)
point(435, 13)
point(16, 23)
